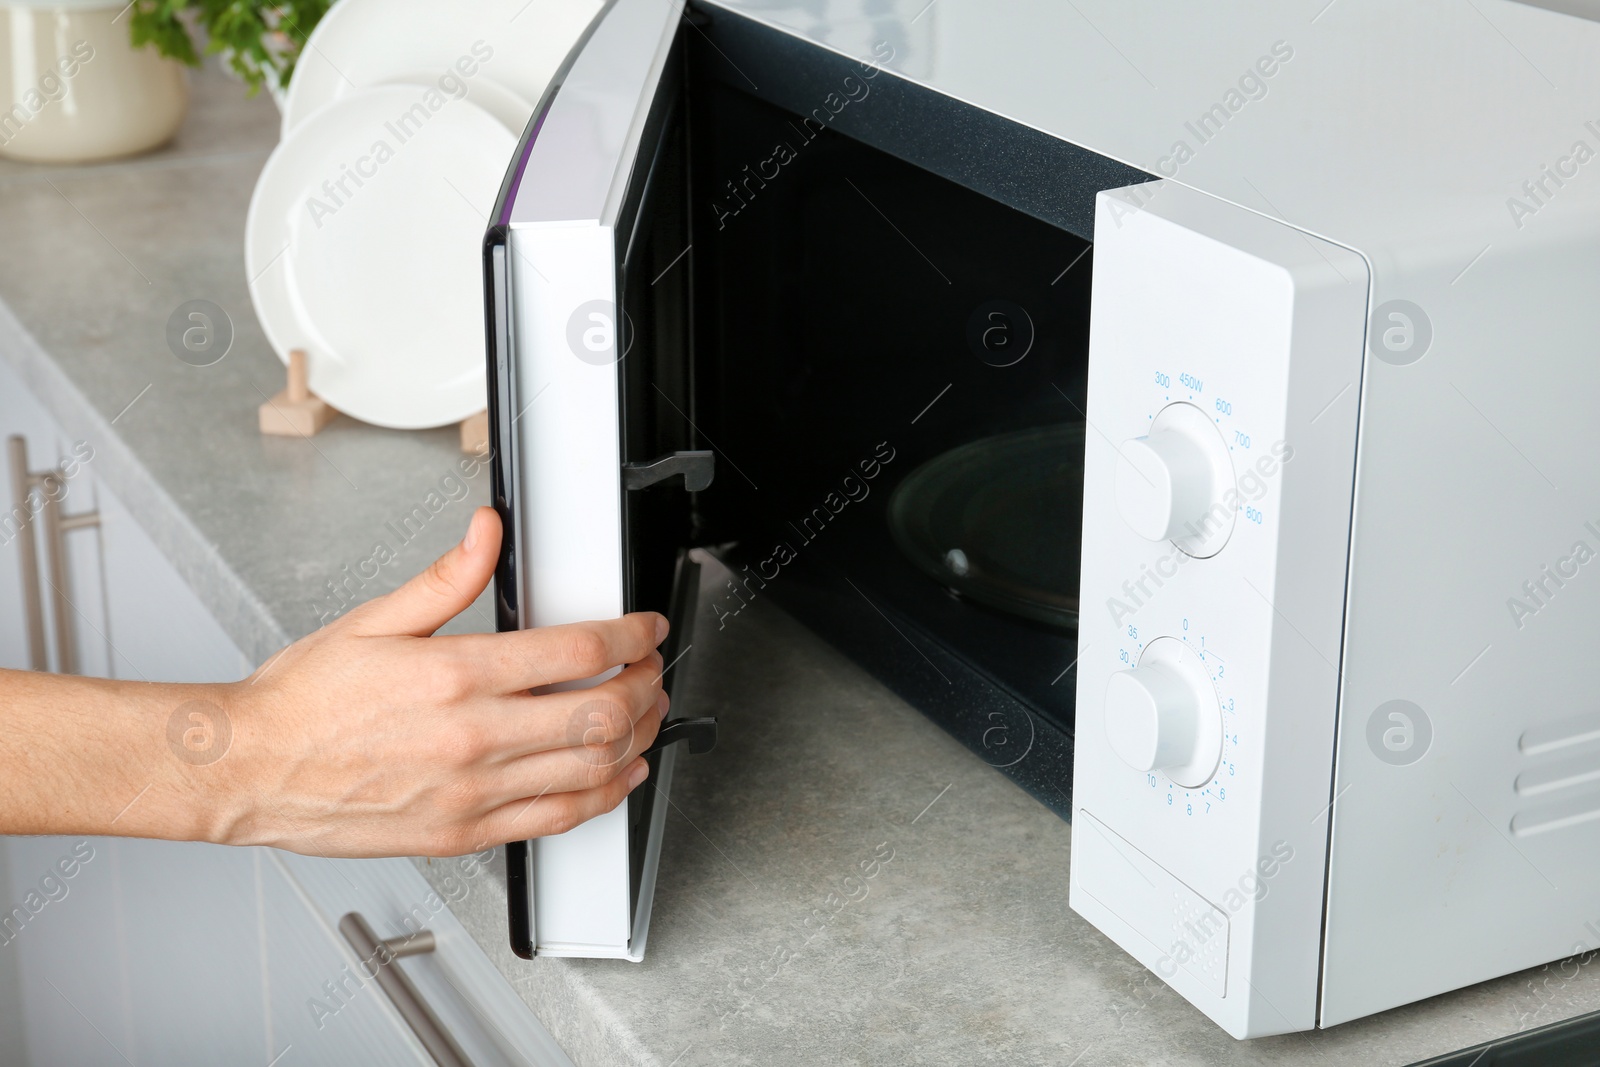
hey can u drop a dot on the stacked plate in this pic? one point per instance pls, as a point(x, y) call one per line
point(364, 235)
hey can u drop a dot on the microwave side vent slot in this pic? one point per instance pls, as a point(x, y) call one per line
point(1564, 733)
point(1583, 770)
point(1575, 811)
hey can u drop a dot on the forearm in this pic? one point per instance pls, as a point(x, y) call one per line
point(93, 756)
point(367, 737)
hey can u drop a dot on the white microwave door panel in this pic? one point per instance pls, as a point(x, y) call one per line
point(562, 274)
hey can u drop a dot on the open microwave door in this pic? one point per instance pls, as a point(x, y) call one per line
point(591, 425)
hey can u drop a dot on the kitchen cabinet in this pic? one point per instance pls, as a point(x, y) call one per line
point(192, 946)
point(118, 951)
point(137, 949)
point(67, 956)
point(163, 952)
point(470, 999)
point(319, 1006)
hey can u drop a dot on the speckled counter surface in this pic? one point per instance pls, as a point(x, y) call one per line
point(770, 944)
point(93, 261)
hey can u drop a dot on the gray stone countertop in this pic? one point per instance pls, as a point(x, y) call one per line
point(959, 949)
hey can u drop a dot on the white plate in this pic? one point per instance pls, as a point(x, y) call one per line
point(363, 247)
point(361, 43)
point(512, 109)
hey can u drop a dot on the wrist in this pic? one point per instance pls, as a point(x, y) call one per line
point(195, 790)
point(203, 743)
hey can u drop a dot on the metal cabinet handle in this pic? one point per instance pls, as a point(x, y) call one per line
point(23, 483)
point(380, 956)
point(27, 552)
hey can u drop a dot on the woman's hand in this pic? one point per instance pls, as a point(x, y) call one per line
point(372, 737)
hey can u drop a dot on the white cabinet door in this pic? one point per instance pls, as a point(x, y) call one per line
point(62, 929)
point(469, 997)
point(157, 628)
point(192, 945)
point(133, 951)
point(320, 1007)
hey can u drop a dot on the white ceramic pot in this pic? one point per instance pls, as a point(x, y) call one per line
point(72, 88)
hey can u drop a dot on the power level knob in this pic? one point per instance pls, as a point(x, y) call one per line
point(1173, 483)
point(1163, 715)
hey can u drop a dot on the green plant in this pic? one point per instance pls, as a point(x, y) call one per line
point(260, 41)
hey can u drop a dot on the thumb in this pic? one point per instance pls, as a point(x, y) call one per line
point(443, 591)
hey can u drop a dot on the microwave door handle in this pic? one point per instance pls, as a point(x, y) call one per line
point(698, 467)
point(701, 734)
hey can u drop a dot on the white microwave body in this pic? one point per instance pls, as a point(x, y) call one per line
point(1337, 752)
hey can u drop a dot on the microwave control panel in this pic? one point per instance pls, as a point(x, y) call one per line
point(1224, 385)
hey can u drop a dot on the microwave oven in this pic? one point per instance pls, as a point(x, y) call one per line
point(1188, 411)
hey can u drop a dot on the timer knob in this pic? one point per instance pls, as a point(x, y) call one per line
point(1163, 715)
point(1172, 484)
point(1152, 720)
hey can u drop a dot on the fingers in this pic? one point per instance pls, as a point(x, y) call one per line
point(603, 755)
point(443, 591)
point(556, 788)
point(549, 813)
point(548, 655)
point(604, 714)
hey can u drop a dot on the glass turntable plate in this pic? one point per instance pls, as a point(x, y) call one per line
point(998, 521)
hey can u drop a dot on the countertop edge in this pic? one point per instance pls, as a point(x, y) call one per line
point(582, 1021)
point(243, 616)
point(600, 1035)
